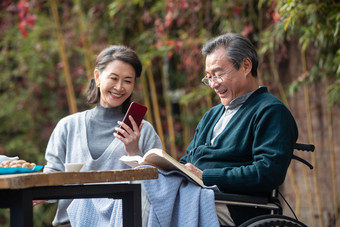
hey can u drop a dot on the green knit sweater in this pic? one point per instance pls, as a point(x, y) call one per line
point(252, 153)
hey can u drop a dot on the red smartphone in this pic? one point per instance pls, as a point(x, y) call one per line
point(137, 112)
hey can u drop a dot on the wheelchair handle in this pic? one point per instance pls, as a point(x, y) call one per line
point(304, 147)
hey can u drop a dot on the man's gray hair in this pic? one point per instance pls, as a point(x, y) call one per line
point(237, 48)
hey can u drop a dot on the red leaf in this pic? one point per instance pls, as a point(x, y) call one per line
point(237, 10)
point(276, 16)
point(23, 32)
point(247, 29)
point(168, 19)
point(170, 42)
point(22, 27)
point(178, 45)
point(31, 18)
point(159, 44)
point(22, 24)
point(170, 54)
point(184, 4)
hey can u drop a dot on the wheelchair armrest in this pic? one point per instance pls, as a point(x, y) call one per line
point(241, 198)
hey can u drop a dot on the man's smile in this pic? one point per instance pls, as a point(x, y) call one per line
point(222, 92)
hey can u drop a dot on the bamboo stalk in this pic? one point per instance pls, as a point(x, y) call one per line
point(168, 107)
point(146, 99)
point(311, 140)
point(309, 195)
point(332, 160)
point(85, 39)
point(186, 127)
point(155, 102)
point(308, 183)
point(71, 100)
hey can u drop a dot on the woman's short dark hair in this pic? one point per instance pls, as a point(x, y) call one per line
point(237, 48)
point(106, 56)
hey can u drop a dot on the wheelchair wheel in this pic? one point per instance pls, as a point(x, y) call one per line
point(270, 220)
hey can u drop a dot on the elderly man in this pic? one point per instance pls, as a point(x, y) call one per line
point(244, 144)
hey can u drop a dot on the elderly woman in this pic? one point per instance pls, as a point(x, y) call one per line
point(91, 137)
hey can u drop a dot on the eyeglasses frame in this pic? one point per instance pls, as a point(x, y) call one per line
point(206, 80)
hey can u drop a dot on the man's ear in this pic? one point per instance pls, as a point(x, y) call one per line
point(247, 66)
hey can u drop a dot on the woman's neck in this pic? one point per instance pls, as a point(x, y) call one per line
point(107, 114)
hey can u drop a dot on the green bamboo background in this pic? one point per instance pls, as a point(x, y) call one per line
point(47, 52)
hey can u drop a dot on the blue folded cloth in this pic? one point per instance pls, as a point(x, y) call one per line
point(174, 201)
point(95, 212)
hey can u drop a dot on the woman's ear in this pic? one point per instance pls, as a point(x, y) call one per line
point(97, 76)
point(247, 65)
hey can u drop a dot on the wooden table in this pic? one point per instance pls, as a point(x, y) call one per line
point(18, 190)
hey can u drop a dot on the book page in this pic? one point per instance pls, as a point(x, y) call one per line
point(132, 161)
point(161, 160)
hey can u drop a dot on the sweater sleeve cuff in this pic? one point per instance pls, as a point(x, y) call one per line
point(211, 177)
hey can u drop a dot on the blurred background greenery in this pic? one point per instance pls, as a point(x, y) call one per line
point(47, 52)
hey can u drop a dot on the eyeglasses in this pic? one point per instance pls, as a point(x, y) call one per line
point(215, 79)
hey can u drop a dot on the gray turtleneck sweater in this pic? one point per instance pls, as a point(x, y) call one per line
point(87, 137)
point(102, 122)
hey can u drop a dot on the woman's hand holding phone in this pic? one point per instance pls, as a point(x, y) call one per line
point(129, 130)
point(129, 136)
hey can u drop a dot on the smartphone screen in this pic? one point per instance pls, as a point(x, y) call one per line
point(137, 112)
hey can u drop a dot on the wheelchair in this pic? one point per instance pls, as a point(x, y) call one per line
point(269, 207)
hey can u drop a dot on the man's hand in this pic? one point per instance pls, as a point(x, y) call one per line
point(194, 170)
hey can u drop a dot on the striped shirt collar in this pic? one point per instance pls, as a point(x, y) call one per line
point(238, 101)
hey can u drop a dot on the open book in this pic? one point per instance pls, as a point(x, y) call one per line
point(161, 160)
